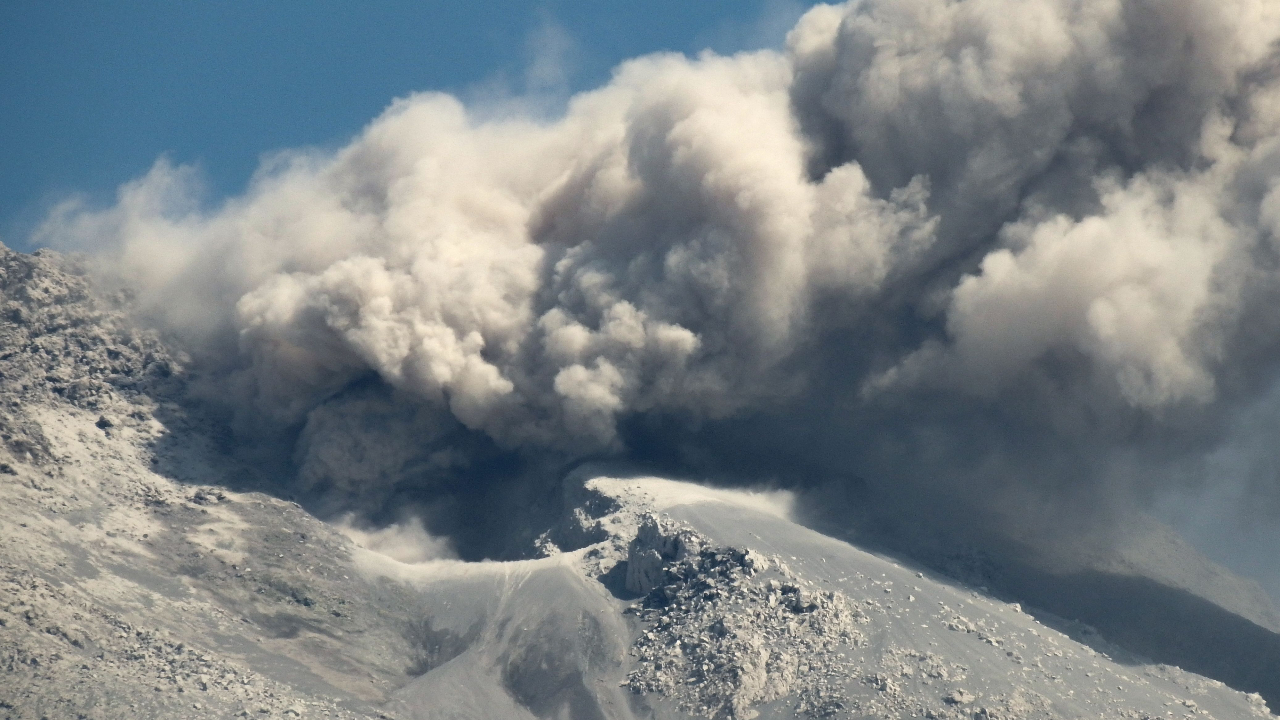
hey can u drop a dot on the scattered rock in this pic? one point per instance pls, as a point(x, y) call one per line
point(959, 696)
point(657, 543)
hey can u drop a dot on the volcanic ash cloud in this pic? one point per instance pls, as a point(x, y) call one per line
point(1055, 220)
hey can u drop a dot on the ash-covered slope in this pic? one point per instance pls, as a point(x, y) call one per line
point(141, 576)
point(134, 582)
point(734, 611)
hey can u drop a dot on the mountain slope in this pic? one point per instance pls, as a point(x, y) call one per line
point(144, 573)
point(752, 615)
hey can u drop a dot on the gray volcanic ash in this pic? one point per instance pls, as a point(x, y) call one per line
point(1017, 256)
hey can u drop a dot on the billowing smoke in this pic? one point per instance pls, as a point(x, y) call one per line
point(995, 258)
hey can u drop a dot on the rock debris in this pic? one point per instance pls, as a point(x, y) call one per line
point(722, 634)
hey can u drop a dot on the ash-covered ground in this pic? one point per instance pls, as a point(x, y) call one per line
point(147, 570)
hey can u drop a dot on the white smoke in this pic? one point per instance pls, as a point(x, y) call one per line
point(654, 249)
point(1057, 209)
point(406, 542)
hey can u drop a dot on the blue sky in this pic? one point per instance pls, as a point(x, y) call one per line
point(94, 92)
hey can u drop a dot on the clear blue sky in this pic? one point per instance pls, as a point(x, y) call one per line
point(92, 92)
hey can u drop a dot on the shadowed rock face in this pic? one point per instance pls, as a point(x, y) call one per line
point(431, 648)
point(1164, 624)
point(1146, 593)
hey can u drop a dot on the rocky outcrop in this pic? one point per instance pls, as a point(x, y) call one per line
point(720, 638)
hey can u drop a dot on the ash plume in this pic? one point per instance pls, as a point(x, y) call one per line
point(995, 259)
